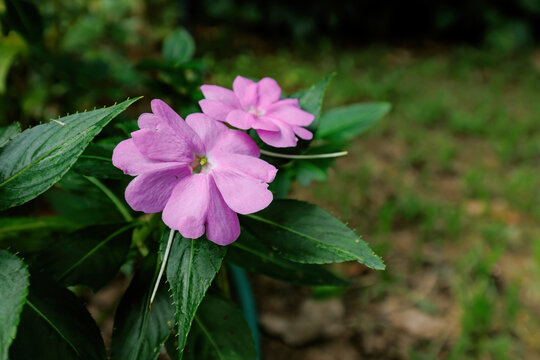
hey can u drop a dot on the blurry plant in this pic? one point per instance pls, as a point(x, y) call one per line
point(65, 224)
point(482, 311)
point(60, 169)
point(177, 74)
point(56, 64)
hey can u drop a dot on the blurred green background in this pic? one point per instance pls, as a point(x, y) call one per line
point(446, 188)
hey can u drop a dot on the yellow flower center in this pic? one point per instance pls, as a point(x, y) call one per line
point(198, 164)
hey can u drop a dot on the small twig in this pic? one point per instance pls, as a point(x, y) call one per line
point(165, 257)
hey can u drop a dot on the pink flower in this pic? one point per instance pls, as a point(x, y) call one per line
point(198, 172)
point(257, 105)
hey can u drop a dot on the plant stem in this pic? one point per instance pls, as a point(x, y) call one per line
point(162, 268)
point(141, 234)
point(304, 157)
point(222, 281)
point(115, 200)
point(245, 297)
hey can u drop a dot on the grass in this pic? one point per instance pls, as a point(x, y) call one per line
point(454, 169)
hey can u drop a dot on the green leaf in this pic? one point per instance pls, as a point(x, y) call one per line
point(14, 289)
point(56, 326)
point(127, 127)
point(14, 225)
point(38, 157)
point(193, 264)
point(307, 171)
point(311, 99)
point(178, 47)
point(220, 332)
point(80, 201)
point(96, 161)
point(140, 333)
point(253, 255)
point(90, 256)
point(281, 184)
point(346, 122)
point(305, 233)
point(29, 235)
point(8, 132)
point(315, 169)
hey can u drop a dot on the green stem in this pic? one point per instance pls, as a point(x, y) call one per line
point(162, 268)
point(114, 199)
point(245, 297)
point(141, 234)
point(304, 157)
point(222, 281)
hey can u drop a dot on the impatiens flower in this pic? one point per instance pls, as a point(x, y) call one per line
point(257, 105)
point(198, 172)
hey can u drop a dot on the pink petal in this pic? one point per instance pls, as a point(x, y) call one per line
point(264, 123)
point(235, 142)
point(225, 96)
point(290, 115)
point(242, 194)
point(222, 226)
point(210, 131)
point(240, 85)
point(284, 102)
point(162, 144)
point(150, 191)
point(240, 119)
point(128, 158)
point(283, 138)
point(246, 92)
point(164, 111)
point(174, 121)
point(248, 166)
point(269, 91)
point(188, 205)
point(149, 121)
point(216, 109)
point(302, 133)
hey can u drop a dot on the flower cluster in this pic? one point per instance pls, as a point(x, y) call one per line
point(200, 172)
point(258, 105)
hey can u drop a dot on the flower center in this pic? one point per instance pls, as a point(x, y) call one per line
point(257, 112)
point(199, 164)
